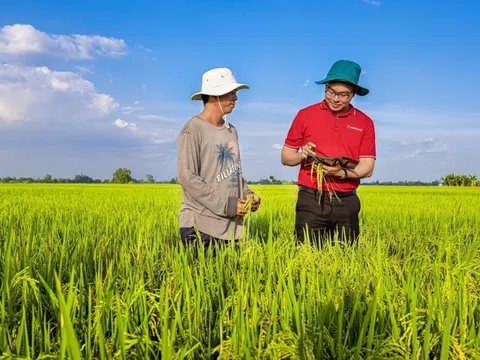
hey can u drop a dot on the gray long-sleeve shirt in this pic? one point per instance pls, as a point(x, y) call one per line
point(209, 171)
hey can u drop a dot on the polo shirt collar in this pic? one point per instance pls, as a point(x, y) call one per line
point(351, 112)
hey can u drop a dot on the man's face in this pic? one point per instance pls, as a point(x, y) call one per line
point(228, 101)
point(338, 96)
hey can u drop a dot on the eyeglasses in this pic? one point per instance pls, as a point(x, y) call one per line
point(344, 95)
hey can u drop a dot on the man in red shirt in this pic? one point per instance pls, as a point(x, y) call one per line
point(331, 128)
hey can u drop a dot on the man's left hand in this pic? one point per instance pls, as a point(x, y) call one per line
point(255, 203)
point(333, 170)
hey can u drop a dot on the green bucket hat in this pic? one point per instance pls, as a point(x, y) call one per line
point(345, 71)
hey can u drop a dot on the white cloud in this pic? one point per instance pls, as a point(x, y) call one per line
point(306, 83)
point(164, 136)
point(150, 135)
point(372, 2)
point(83, 70)
point(8, 113)
point(398, 122)
point(154, 117)
point(102, 103)
point(277, 146)
point(131, 109)
point(38, 93)
point(124, 124)
point(408, 149)
point(21, 39)
point(146, 53)
point(141, 47)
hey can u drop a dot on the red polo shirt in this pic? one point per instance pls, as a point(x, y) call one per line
point(350, 134)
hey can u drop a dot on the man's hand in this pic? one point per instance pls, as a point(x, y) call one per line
point(308, 149)
point(256, 201)
point(333, 170)
point(293, 157)
point(363, 170)
point(240, 210)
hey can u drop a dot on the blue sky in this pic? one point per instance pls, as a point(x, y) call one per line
point(88, 87)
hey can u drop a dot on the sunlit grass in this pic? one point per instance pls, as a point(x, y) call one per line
point(97, 272)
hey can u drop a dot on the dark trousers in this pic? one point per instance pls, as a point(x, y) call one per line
point(321, 217)
point(190, 237)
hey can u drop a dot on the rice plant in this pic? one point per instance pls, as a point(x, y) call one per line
point(98, 272)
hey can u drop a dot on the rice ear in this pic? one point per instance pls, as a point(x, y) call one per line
point(316, 165)
point(248, 204)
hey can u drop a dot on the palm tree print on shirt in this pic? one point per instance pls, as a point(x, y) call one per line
point(225, 155)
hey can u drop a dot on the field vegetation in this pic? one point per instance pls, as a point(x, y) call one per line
point(97, 272)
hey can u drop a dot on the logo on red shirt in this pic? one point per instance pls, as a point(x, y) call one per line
point(354, 128)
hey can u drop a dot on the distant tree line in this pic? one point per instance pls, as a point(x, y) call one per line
point(124, 176)
point(120, 176)
point(273, 181)
point(79, 179)
point(461, 180)
point(403, 183)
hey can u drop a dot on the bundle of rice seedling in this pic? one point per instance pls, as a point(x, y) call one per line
point(316, 169)
point(248, 204)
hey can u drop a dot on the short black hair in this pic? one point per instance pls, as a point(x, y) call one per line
point(205, 98)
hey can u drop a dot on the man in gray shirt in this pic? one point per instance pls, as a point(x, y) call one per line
point(209, 166)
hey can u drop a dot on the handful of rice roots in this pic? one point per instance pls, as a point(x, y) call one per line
point(316, 170)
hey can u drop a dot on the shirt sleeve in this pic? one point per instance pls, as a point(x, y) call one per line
point(188, 177)
point(367, 147)
point(295, 136)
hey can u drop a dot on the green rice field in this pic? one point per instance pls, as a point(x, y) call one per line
point(97, 272)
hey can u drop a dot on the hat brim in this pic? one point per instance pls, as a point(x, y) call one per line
point(219, 90)
point(361, 91)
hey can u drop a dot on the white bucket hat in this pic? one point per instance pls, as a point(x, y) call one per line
point(218, 82)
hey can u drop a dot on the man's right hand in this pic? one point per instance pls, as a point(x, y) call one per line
point(293, 157)
point(308, 149)
point(240, 211)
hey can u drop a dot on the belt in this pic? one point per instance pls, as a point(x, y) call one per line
point(338, 193)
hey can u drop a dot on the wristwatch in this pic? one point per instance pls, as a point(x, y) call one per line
point(345, 175)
